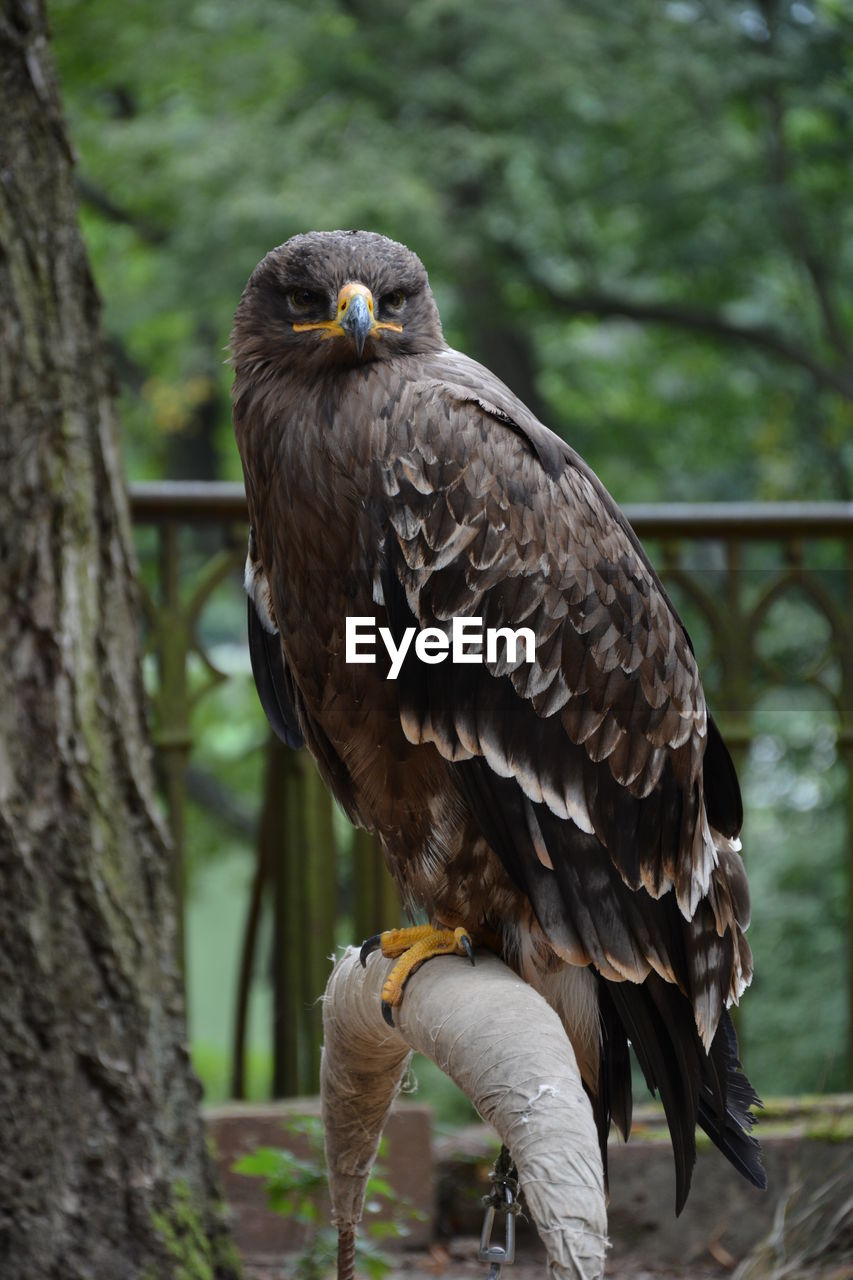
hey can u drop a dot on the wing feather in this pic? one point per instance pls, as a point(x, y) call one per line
point(272, 678)
point(606, 733)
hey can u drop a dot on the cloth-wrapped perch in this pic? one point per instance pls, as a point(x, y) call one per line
point(506, 1050)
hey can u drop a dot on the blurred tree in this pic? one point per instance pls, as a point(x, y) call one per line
point(640, 214)
point(104, 1168)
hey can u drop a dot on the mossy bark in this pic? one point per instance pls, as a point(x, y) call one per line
point(101, 1141)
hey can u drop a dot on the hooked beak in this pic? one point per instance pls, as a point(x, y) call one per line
point(355, 316)
point(354, 319)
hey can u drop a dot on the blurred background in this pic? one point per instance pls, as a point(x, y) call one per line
point(640, 216)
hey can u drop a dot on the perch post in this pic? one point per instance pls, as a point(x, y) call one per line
point(506, 1050)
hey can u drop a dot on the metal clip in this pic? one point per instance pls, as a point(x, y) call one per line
point(501, 1199)
point(497, 1254)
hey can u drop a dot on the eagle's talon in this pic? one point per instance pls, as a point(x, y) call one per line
point(411, 948)
point(368, 947)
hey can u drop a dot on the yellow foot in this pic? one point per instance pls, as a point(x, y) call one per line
point(414, 946)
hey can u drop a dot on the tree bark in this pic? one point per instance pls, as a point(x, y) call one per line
point(104, 1169)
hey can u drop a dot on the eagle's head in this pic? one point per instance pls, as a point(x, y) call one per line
point(334, 299)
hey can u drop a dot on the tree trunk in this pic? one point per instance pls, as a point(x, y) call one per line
point(104, 1170)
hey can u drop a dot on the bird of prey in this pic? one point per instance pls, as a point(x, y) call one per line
point(578, 813)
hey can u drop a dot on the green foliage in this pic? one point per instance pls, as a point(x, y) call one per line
point(796, 1011)
point(695, 154)
point(296, 1187)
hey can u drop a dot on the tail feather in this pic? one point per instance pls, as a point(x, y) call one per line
point(613, 1099)
point(729, 1127)
point(652, 1043)
point(695, 1088)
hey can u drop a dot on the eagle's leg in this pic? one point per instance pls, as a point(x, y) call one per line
point(413, 946)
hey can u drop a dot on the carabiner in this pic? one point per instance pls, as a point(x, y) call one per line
point(497, 1253)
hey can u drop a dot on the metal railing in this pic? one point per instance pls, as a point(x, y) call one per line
point(728, 566)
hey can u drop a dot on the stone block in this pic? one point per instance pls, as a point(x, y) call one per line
point(239, 1128)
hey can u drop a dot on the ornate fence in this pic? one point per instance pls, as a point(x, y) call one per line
point(766, 590)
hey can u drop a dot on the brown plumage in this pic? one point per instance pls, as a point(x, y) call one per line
point(582, 809)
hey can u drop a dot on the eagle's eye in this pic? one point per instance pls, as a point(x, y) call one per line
point(392, 301)
point(303, 299)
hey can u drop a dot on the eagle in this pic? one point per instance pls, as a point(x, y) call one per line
point(573, 808)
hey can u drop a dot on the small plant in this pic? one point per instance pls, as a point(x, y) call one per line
point(295, 1187)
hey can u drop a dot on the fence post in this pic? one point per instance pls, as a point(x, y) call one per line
point(172, 704)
